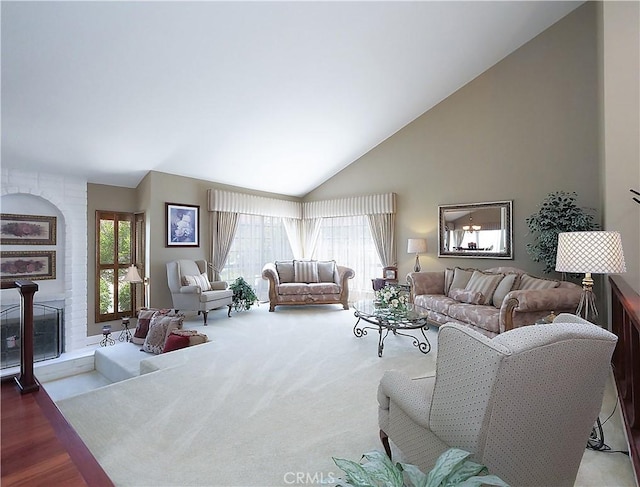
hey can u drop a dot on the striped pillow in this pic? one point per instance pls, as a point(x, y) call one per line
point(530, 282)
point(485, 284)
point(202, 281)
point(305, 270)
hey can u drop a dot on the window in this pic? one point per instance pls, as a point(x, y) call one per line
point(114, 254)
point(348, 241)
point(258, 240)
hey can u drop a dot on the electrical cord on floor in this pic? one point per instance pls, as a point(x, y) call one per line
point(596, 439)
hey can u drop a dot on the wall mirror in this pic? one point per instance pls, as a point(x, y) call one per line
point(477, 230)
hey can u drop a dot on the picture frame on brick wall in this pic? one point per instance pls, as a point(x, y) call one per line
point(27, 229)
point(183, 225)
point(33, 265)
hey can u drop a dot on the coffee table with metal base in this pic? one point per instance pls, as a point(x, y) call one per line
point(386, 320)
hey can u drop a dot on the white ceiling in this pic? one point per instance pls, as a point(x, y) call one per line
point(273, 96)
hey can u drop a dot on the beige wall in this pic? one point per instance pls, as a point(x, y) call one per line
point(524, 128)
point(104, 198)
point(619, 30)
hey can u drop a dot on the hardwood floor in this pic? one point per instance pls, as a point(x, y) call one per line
point(39, 447)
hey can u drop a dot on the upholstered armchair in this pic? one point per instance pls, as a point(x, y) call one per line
point(191, 289)
point(524, 402)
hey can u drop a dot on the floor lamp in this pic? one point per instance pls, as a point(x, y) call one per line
point(597, 252)
point(133, 277)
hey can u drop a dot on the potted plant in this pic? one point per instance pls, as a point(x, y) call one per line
point(558, 213)
point(453, 468)
point(243, 295)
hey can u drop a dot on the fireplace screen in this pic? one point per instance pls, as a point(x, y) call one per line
point(47, 331)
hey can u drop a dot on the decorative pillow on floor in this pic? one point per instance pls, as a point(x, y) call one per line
point(142, 327)
point(195, 338)
point(159, 329)
point(175, 342)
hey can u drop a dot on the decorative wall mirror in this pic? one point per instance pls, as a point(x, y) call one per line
point(476, 230)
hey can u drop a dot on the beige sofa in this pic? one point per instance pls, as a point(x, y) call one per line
point(493, 300)
point(307, 282)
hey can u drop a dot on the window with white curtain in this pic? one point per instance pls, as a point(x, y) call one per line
point(348, 241)
point(258, 240)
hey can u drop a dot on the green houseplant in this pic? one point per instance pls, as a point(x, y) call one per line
point(453, 468)
point(558, 213)
point(243, 295)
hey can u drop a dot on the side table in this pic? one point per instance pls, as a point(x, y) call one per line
point(125, 334)
point(106, 336)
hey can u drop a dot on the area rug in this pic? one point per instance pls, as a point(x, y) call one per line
point(268, 402)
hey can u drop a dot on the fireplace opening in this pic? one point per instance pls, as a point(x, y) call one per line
point(48, 334)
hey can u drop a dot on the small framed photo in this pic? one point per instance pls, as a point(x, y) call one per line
point(183, 225)
point(390, 273)
point(33, 265)
point(27, 229)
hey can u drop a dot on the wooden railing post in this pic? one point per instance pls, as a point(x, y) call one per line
point(625, 323)
point(26, 381)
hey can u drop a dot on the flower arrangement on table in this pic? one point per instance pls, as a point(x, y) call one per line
point(392, 298)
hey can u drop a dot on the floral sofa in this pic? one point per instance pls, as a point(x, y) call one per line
point(307, 282)
point(493, 300)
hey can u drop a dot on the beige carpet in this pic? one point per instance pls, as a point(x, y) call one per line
point(268, 402)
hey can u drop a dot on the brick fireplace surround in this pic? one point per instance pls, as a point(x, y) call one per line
point(66, 198)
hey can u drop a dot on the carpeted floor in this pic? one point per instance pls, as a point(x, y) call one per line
point(267, 403)
point(270, 400)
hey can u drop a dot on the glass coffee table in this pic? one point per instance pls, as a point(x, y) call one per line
point(385, 320)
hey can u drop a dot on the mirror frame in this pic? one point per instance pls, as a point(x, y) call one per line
point(507, 254)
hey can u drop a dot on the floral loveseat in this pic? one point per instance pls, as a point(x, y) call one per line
point(307, 282)
point(493, 300)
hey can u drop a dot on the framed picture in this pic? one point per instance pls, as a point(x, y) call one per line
point(183, 225)
point(390, 273)
point(27, 229)
point(28, 264)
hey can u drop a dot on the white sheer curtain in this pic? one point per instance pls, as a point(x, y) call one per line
point(348, 241)
point(293, 227)
point(258, 240)
point(310, 233)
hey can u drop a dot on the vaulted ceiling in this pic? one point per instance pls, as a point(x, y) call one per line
point(272, 96)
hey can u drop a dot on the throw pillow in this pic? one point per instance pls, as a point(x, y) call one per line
point(175, 342)
point(326, 271)
point(305, 270)
point(285, 271)
point(142, 327)
point(508, 284)
point(484, 283)
point(460, 278)
point(466, 296)
point(159, 329)
point(530, 282)
point(202, 281)
point(195, 338)
point(448, 279)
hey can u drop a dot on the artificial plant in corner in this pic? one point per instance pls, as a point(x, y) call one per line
point(243, 295)
point(453, 468)
point(558, 213)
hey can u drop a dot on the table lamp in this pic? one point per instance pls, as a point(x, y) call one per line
point(417, 246)
point(133, 276)
point(597, 252)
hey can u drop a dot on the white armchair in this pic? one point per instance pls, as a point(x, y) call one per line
point(524, 402)
point(191, 289)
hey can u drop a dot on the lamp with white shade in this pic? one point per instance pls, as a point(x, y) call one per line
point(597, 252)
point(133, 276)
point(417, 246)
